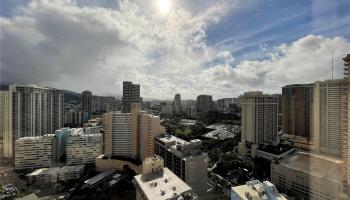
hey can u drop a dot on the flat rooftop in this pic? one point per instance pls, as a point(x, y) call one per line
point(170, 138)
point(316, 165)
point(256, 190)
point(52, 170)
point(71, 168)
point(35, 137)
point(162, 187)
point(99, 177)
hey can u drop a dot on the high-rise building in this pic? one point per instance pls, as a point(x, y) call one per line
point(330, 99)
point(32, 111)
point(34, 152)
point(131, 94)
point(346, 131)
point(167, 109)
point(189, 108)
point(117, 134)
point(158, 183)
point(297, 109)
point(73, 119)
point(259, 117)
point(204, 104)
point(177, 104)
point(186, 160)
point(103, 104)
point(86, 105)
point(224, 104)
point(130, 134)
point(5, 124)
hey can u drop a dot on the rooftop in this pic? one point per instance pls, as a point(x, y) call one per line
point(165, 186)
point(170, 138)
point(316, 165)
point(52, 170)
point(256, 190)
point(35, 137)
point(99, 177)
point(71, 168)
point(29, 197)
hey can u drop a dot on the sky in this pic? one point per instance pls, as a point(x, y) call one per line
point(216, 47)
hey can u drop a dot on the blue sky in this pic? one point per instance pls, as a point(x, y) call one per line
point(216, 40)
point(272, 22)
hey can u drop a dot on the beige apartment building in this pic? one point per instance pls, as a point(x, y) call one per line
point(330, 101)
point(259, 117)
point(130, 134)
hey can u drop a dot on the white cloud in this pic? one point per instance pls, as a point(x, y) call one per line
point(303, 61)
point(66, 46)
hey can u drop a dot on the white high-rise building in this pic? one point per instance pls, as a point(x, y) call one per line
point(32, 111)
point(330, 99)
point(34, 152)
point(5, 124)
point(259, 117)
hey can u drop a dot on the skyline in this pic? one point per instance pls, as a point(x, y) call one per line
point(220, 48)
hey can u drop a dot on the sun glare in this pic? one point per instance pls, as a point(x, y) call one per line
point(164, 6)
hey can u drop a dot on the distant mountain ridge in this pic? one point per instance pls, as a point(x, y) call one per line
point(71, 97)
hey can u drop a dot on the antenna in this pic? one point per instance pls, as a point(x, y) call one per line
point(332, 63)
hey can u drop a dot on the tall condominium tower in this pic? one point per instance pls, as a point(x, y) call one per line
point(86, 102)
point(329, 103)
point(5, 122)
point(259, 117)
point(297, 108)
point(177, 104)
point(204, 104)
point(130, 134)
point(131, 93)
point(32, 111)
point(346, 138)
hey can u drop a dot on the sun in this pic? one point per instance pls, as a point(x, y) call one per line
point(164, 6)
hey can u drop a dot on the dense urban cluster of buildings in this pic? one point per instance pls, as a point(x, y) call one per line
point(195, 108)
point(35, 137)
point(315, 121)
point(311, 118)
point(73, 146)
